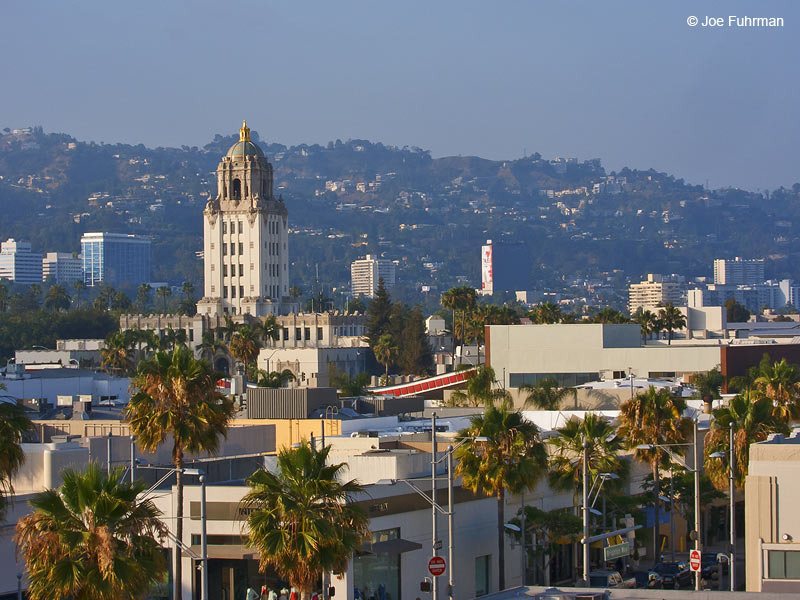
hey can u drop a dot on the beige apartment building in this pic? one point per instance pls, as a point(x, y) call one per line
point(654, 293)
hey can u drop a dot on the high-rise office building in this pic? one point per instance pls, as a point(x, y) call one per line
point(505, 267)
point(18, 263)
point(115, 259)
point(739, 271)
point(62, 267)
point(656, 291)
point(245, 237)
point(366, 272)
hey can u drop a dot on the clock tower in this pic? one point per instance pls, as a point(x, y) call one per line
point(245, 237)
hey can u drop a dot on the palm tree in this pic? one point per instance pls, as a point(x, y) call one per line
point(3, 297)
point(385, 352)
point(172, 338)
point(609, 315)
point(348, 386)
point(647, 322)
point(57, 299)
point(753, 420)
point(115, 355)
point(177, 396)
point(188, 304)
point(707, 386)
point(671, 319)
point(104, 298)
point(164, 292)
point(271, 329)
point(274, 379)
point(143, 296)
point(245, 344)
point(513, 459)
point(780, 382)
point(481, 390)
point(209, 346)
point(460, 300)
point(301, 518)
point(14, 424)
point(653, 418)
point(545, 314)
point(92, 539)
point(545, 394)
point(566, 460)
point(79, 287)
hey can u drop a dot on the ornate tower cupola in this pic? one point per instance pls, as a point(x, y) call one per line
point(245, 236)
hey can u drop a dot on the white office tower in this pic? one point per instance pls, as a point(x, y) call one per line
point(366, 272)
point(739, 271)
point(62, 268)
point(18, 263)
point(245, 231)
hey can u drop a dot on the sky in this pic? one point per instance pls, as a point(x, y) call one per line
point(626, 81)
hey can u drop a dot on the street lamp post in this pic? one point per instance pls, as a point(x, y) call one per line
point(585, 513)
point(434, 528)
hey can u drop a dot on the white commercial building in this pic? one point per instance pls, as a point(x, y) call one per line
point(366, 272)
point(18, 263)
point(62, 268)
point(739, 271)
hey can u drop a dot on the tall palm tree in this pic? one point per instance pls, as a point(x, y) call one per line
point(647, 321)
point(671, 319)
point(164, 292)
point(57, 299)
point(609, 315)
point(481, 390)
point(301, 519)
point(780, 382)
point(172, 338)
point(650, 418)
point(143, 296)
point(385, 352)
point(14, 424)
point(513, 459)
point(177, 396)
point(245, 344)
point(753, 420)
point(707, 386)
point(566, 459)
point(104, 298)
point(545, 394)
point(462, 301)
point(274, 379)
point(210, 345)
point(92, 539)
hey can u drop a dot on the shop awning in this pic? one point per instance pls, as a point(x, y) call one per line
point(388, 547)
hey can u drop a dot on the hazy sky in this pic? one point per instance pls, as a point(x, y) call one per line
point(627, 81)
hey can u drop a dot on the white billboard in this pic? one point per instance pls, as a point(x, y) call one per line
point(487, 281)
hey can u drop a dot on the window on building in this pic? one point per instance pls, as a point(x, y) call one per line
point(233, 249)
point(241, 291)
point(213, 289)
point(563, 379)
point(241, 227)
point(483, 574)
point(285, 333)
point(378, 575)
point(224, 291)
point(224, 249)
point(783, 564)
point(233, 291)
point(224, 270)
point(251, 266)
point(212, 245)
point(241, 270)
point(251, 288)
point(213, 267)
point(298, 334)
point(236, 190)
point(308, 333)
point(224, 227)
point(241, 248)
point(191, 335)
point(251, 244)
point(319, 334)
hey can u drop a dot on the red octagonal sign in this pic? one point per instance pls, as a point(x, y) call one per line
point(695, 560)
point(436, 566)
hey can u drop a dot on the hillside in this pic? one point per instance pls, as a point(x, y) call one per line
point(584, 230)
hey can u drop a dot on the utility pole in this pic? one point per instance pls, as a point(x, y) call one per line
point(433, 500)
point(732, 491)
point(697, 544)
point(585, 514)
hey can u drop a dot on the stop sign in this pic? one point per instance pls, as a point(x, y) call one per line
point(436, 566)
point(694, 560)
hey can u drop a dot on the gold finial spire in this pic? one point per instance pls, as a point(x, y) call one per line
point(244, 132)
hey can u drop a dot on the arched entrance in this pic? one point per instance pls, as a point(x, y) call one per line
point(221, 365)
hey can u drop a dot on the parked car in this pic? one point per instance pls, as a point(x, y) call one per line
point(710, 565)
point(610, 579)
point(648, 579)
point(675, 575)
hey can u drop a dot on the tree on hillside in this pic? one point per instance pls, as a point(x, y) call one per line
point(57, 299)
point(378, 314)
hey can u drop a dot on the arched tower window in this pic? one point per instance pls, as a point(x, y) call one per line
point(236, 191)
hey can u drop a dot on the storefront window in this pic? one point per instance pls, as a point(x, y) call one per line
point(377, 576)
point(483, 564)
